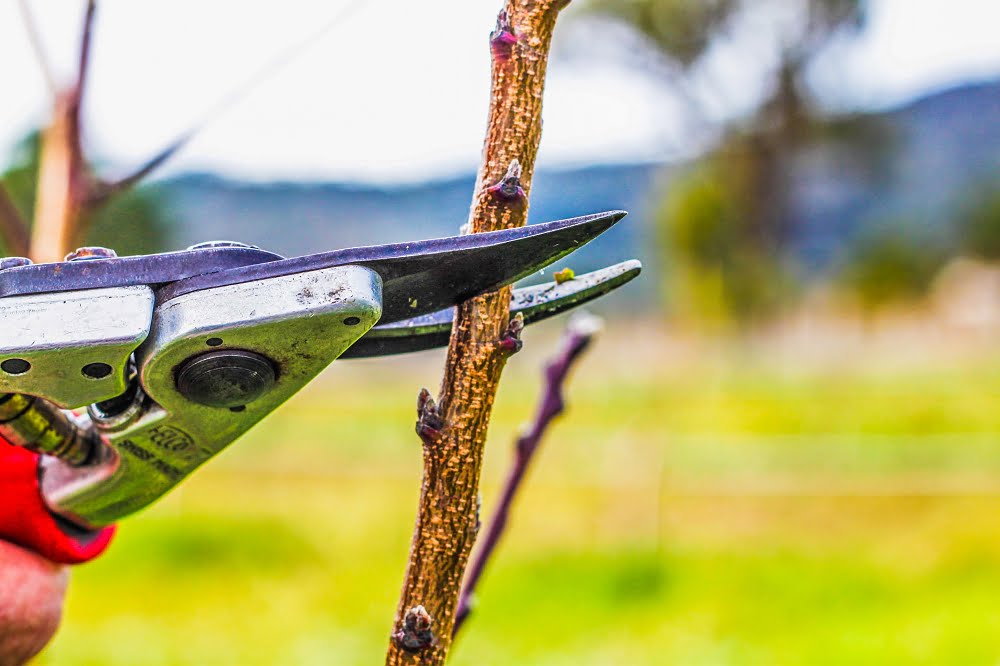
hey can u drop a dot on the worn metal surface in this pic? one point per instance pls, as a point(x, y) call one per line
point(59, 479)
point(71, 348)
point(300, 322)
point(425, 276)
point(161, 418)
point(534, 303)
point(152, 269)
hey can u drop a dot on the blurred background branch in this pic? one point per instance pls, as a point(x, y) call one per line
point(576, 339)
point(55, 182)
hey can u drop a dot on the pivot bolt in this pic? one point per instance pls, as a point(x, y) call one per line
point(88, 253)
point(229, 378)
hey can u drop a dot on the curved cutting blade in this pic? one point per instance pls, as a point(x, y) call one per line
point(534, 303)
point(425, 276)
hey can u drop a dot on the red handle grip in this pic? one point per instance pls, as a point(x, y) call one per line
point(25, 520)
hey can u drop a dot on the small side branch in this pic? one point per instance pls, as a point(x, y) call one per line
point(578, 336)
point(102, 190)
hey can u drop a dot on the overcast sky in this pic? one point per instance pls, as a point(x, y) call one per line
point(398, 90)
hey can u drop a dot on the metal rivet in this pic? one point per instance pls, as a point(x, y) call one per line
point(89, 253)
point(352, 321)
point(14, 262)
point(213, 342)
point(15, 366)
point(96, 370)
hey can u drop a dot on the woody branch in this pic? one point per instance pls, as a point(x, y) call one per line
point(454, 427)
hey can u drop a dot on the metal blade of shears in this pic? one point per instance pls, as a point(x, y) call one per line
point(534, 303)
point(142, 270)
point(425, 276)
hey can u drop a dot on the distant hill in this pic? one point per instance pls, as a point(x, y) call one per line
point(297, 219)
point(941, 144)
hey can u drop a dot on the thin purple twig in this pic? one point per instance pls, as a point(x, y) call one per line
point(83, 64)
point(578, 335)
point(104, 190)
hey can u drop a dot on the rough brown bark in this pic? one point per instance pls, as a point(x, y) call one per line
point(454, 430)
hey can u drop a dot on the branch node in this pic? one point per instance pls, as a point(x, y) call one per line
point(511, 342)
point(509, 189)
point(429, 422)
point(503, 38)
point(415, 634)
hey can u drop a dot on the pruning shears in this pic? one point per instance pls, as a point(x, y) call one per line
point(174, 356)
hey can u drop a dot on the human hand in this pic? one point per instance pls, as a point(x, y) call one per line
point(32, 583)
point(32, 590)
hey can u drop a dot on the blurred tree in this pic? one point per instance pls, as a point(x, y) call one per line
point(132, 222)
point(721, 271)
point(979, 223)
point(726, 230)
point(890, 266)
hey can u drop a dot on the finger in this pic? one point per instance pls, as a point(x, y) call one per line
point(32, 590)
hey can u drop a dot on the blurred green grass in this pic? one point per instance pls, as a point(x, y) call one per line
point(698, 504)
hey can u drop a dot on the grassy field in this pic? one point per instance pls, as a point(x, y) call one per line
point(815, 502)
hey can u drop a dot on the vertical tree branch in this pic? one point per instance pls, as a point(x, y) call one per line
point(581, 330)
point(64, 179)
point(62, 183)
point(454, 429)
